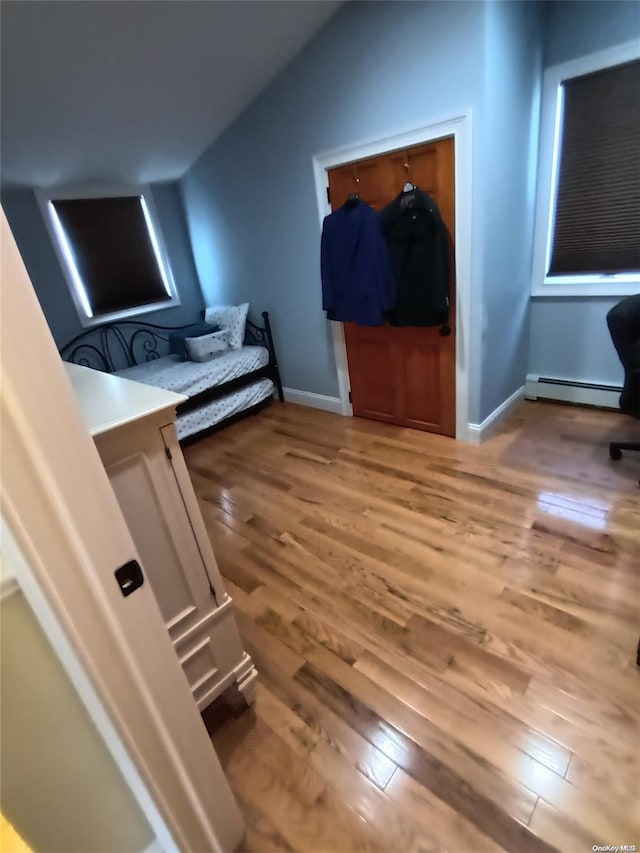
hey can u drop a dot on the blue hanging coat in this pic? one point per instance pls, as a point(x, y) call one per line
point(356, 274)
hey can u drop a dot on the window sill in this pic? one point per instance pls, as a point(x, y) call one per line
point(587, 286)
point(127, 314)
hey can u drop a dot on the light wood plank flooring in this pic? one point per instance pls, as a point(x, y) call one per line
point(445, 634)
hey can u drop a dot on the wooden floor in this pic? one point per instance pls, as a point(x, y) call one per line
point(445, 634)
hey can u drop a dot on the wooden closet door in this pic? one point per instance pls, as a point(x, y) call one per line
point(403, 375)
point(375, 363)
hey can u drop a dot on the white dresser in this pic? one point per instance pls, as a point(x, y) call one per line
point(133, 426)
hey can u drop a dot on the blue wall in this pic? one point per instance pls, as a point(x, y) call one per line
point(30, 232)
point(575, 29)
point(376, 69)
point(513, 67)
point(568, 336)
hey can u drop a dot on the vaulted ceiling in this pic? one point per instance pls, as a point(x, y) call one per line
point(134, 91)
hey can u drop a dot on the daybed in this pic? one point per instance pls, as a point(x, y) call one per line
point(235, 383)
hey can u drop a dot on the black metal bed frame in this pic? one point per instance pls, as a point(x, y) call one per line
point(115, 346)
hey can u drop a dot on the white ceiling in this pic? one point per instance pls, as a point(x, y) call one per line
point(134, 91)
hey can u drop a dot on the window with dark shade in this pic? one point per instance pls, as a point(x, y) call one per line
point(112, 252)
point(596, 224)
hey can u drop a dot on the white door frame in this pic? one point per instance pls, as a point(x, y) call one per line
point(64, 518)
point(460, 127)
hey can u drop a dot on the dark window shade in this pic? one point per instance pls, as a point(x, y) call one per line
point(113, 252)
point(597, 215)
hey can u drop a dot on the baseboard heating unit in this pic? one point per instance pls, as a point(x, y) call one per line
point(572, 391)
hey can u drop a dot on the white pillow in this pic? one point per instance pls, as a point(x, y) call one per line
point(205, 347)
point(233, 318)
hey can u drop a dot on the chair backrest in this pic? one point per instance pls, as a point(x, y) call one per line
point(624, 325)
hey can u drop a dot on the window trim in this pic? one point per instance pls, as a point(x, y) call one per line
point(46, 196)
point(621, 284)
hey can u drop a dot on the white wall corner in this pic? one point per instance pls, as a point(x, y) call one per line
point(314, 401)
point(155, 847)
point(477, 433)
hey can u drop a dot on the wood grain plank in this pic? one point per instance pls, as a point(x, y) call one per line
point(254, 634)
point(261, 835)
point(443, 822)
point(273, 600)
point(510, 740)
point(284, 721)
point(480, 795)
point(328, 825)
point(562, 832)
point(445, 634)
point(314, 722)
point(488, 666)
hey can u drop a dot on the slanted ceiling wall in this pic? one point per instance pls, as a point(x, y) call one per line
point(375, 70)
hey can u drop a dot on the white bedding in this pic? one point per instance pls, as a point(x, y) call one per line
point(216, 411)
point(190, 377)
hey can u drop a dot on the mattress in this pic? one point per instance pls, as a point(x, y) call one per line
point(209, 414)
point(193, 377)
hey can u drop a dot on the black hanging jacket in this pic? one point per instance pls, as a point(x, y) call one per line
point(419, 250)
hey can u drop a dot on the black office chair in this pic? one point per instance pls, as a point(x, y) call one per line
point(624, 325)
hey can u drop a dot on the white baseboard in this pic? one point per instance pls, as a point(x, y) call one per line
point(314, 401)
point(569, 391)
point(477, 433)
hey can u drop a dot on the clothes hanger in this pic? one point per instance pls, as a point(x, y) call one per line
point(354, 197)
point(408, 187)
